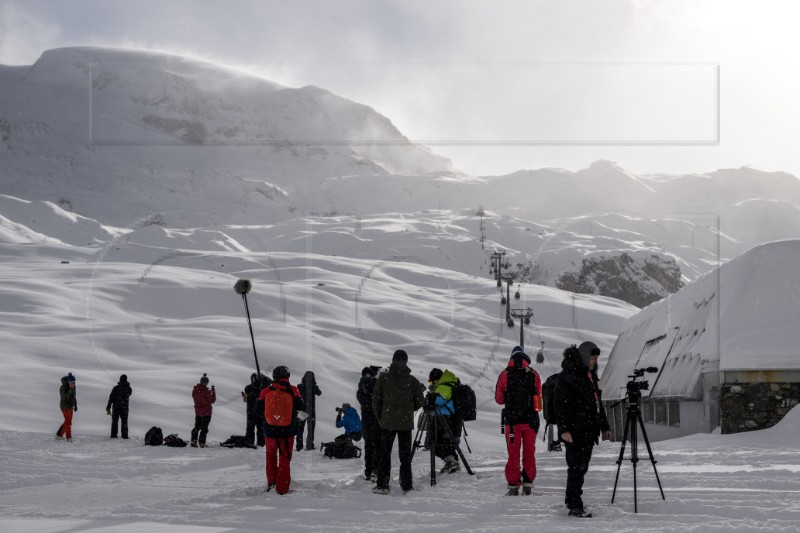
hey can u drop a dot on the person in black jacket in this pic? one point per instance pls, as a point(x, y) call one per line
point(370, 428)
point(254, 430)
point(580, 417)
point(308, 390)
point(118, 400)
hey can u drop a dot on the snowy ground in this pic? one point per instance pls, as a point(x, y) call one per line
point(746, 482)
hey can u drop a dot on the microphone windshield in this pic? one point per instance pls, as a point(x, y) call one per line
point(243, 286)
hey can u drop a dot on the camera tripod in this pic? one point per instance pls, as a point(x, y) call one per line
point(431, 420)
point(633, 416)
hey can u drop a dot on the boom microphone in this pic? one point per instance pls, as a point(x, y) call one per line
point(243, 286)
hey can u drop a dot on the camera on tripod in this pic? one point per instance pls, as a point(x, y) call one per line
point(635, 387)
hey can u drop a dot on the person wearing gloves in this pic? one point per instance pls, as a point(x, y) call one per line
point(203, 399)
point(117, 406)
point(282, 405)
point(68, 405)
point(347, 418)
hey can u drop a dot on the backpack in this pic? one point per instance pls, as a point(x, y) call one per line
point(548, 391)
point(174, 441)
point(341, 448)
point(237, 441)
point(521, 387)
point(154, 437)
point(464, 402)
point(279, 405)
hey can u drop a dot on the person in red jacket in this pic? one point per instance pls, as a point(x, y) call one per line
point(203, 398)
point(519, 390)
point(282, 406)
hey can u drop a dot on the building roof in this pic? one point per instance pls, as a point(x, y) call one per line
point(756, 326)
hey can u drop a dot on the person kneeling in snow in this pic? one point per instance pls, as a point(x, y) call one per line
point(347, 418)
point(282, 406)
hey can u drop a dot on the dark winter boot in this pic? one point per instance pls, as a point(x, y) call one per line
point(526, 489)
point(513, 490)
point(579, 512)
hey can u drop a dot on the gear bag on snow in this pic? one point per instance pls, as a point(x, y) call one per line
point(174, 441)
point(238, 441)
point(278, 404)
point(341, 448)
point(519, 406)
point(154, 437)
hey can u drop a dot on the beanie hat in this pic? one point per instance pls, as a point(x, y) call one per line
point(400, 356)
point(587, 349)
point(280, 372)
point(70, 377)
point(253, 377)
point(435, 374)
point(366, 371)
point(518, 355)
point(204, 379)
point(123, 378)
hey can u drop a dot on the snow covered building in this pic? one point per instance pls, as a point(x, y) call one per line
point(727, 349)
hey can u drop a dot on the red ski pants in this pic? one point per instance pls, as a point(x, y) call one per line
point(67, 426)
point(279, 458)
point(524, 441)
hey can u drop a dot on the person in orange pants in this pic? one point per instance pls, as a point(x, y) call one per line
point(68, 404)
point(282, 406)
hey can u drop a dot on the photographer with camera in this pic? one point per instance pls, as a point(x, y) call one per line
point(203, 398)
point(440, 398)
point(580, 418)
point(347, 418)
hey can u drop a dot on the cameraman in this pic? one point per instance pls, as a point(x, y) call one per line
point(580, 417)
point(440, 398)
point(347, 418)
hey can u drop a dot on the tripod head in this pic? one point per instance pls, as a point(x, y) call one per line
point(637, 384)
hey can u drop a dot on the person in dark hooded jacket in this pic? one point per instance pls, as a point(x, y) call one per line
point(369, 424)
point(580, 418)
point(519, 390)
point(254, 430)
point(308, 390)
point(397, 395)
point(117, 406)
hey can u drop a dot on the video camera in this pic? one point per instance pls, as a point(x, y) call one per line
point(634, 387)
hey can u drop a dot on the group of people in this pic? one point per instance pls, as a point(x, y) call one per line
point(279, 414)
point(579, 415)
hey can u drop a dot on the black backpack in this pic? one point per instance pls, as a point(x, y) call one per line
point(521, 387)
point(341, 448)
point(174, 441)
point(237, 441)
point(154, 437)
point(548, 391)
point(464, 402)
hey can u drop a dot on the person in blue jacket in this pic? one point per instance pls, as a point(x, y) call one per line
point(347, 418)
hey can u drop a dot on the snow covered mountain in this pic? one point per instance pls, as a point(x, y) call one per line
point(130, 139)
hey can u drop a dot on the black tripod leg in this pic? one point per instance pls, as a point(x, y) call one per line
point(634, 460)
point(621, 453)
point(422, 422)
point(433, 448)
point(650, 453)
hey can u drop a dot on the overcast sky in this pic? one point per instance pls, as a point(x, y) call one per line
point(668, 86)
